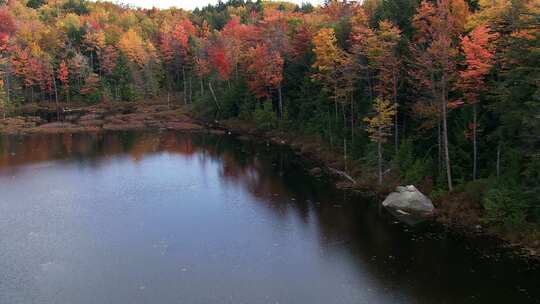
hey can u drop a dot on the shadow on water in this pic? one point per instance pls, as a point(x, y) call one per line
point(402, 264)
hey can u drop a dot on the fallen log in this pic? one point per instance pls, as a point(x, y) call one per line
point(342, 174)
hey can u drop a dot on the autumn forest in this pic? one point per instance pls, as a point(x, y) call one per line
point(442, 93)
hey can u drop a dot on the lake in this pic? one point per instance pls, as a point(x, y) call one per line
point(147, 217)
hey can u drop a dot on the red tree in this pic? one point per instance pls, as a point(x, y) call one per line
point(7, 27)
point(301, 41)
point(63, 76)
point(478, 62)
point(219, 59)
point(108, 58)
point(436, 51)
point(165, 43)
point(265, 72)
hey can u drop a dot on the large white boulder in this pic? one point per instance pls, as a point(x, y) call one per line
point(408, 200)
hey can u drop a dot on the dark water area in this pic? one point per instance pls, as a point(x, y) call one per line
point(175, 218)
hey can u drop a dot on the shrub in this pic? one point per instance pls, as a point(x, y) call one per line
point(264, 117)
point(412, 169)
point(477, 189)
point(505, 207)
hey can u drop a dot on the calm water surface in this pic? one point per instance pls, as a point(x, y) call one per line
point(170, 218)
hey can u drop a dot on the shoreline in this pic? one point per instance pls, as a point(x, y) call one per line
point(351, 176)
point(39, 119)
point(328, 162)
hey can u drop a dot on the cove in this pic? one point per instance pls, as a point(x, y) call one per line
point(166, 217)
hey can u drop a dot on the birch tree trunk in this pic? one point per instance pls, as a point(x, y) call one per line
point(190, 87)
point(445, 136)
point(213, 94)
point(499, 160)
point(56, 97)
point(396, 126)
point(185, 84)
point(475, 146)
point(379, 156)
point(202, 86)
point(8, 74)
point(352, 119)
point(280, 103)
point(345, 153)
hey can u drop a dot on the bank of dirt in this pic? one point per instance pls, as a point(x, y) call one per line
point(45, 118)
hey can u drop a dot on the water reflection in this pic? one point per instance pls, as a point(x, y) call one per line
point(168, 217)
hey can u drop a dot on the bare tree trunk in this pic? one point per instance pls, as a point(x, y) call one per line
point(445, 139)
point(475, 147)
point(202, 86)
point(55, 95)
point(396, 133)
point(335, 104)
point(330, 128)
point(190, 88)
point(101, 83)
point(396, 126)
point(185, 85)
point(8, 92)
point(370, 86)
point(439, 144)
point(213, 94)
point(439, 127)
point(499, 160)
point(336, 110)
point(404, 126)
point(345, 152)
point(352, 119)
point(379, 156)
point(280, 103)
point(3, 108)
point(344, 118)
point(56, 101)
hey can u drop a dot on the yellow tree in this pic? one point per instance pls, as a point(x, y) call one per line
point(95, 43)
point(388, 65)
point(490, 13)
point(328, 60)
point(364, 48)
point(132, 45)
point(336, 73)
point(379, 126)
point(144, 56)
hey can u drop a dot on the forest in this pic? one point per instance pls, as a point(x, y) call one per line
point(444, 93)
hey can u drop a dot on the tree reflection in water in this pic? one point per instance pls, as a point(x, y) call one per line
point(420, 265)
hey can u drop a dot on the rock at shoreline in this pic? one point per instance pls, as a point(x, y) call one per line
point(91, 117)
point(316, 172)
point(186, 126)
point(409, 204)
point(57, 125)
